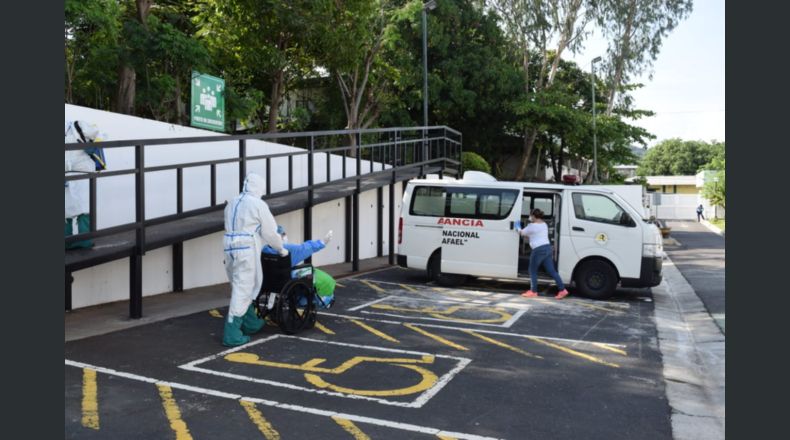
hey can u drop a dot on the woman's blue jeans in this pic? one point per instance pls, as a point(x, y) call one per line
point(542, 255)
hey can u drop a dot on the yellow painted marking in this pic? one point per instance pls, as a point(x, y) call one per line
point(439, 289)
point(263, 425)
point(373, 286)
point(571, 302)
point(339, 285)
point(610, 348)
point(445, 314)
point(351, 428)
point(502, 344)
point(321, 327)
point(445, 437)
point(374, 331)
point(428, 378)
point(90, 402)
point(436, 337)
point(173, 413)
point(312, 364)
point(410, 289)
point(592, 306)
point(573, 352)
point(215, 313)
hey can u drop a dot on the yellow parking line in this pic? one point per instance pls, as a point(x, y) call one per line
point(436, 337)
point(410, 289)
point(374, 331)
point(502, 344)
point(351, 428)
point(321, 327)
point(373, 286)
point(445, 437)
point(339, 285)
point(215, 313)
point(610, 348)
point(573, 352)
point(263, 425)
point(173, 413)
point(90, 402)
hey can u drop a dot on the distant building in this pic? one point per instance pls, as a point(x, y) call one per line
point(629, 171)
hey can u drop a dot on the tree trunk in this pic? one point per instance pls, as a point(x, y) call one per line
point(180, 110)
point(274, 103)
point(620, 60)
point(124, 100)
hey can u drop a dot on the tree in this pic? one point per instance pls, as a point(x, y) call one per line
point(471, 161)
point(262, 45)
point(714, 189)
point(635, 29)
point(532, 26)
point(675, 157)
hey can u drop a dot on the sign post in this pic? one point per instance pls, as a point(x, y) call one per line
point(208, 102)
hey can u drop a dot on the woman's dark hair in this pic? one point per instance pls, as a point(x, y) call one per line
point(537, 213)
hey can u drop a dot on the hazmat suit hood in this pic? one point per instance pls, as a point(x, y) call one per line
point(255, 185)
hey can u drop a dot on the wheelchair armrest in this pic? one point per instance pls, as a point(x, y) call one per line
point(302, 266)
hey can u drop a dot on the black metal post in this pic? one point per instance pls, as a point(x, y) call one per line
point(69, 281)
point(290, 173)
point(136, 260)
point(392, 220)
point(242, 163)
point(348, 221)
point(268, 175)
point(179, 190)
point(136, 286)
point(178, 267)
point(355, 208)
point(328, 167)
point(344, 164)
point(92, 203)
point(213, 184)
point(308, 211)
point(379, 221)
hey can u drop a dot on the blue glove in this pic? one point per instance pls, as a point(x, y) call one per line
point(518, 225)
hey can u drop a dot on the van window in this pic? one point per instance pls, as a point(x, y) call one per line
point(490, 204)
point(544, 203)
point(428, 201)
point(596, 208)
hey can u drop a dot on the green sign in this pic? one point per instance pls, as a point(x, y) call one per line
point(208, 102)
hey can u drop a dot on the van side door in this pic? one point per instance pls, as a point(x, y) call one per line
point(478, 235)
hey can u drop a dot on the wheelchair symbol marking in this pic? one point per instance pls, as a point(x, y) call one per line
point(428, 378)
point(446, 313)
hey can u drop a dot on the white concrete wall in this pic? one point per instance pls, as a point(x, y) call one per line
point(203, 256)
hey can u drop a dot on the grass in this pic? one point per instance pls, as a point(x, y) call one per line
point(718, 222)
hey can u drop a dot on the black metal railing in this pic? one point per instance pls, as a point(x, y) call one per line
point(388, 151)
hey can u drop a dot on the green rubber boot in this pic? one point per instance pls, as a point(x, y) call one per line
point(251, 323)
point(232, 335)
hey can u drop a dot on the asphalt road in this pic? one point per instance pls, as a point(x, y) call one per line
point(395, 358)
point(700, 257)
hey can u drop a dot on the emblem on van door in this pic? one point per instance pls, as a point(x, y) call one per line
point(461, 222)
point(601, 238)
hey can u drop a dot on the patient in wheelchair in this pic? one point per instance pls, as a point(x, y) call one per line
point(323, 282)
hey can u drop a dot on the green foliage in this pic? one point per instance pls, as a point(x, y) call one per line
point(472, 161)
point(676, 157)
point(715, 189)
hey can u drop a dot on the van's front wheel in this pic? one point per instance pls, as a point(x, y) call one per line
point(443, 279)
point(596, 279)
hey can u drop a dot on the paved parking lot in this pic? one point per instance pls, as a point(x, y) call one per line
point(395, 358)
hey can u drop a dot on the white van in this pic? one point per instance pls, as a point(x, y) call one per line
point(459, 228)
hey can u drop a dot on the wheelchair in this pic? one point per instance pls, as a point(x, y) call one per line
point(286, 301)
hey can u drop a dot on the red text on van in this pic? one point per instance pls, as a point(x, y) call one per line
point(461, 222)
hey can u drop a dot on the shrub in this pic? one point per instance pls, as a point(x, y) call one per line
point(474, 162)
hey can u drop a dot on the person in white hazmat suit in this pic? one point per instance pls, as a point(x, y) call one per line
point(76, 191)
point(249, 224)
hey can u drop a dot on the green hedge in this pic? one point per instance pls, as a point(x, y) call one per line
point(474, 162)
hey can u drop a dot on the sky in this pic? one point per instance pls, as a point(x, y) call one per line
point(687, 89)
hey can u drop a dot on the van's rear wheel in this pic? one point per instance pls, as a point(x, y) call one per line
point(596, 279)
point(443, 279)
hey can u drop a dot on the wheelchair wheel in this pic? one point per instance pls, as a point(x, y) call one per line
point(296, 311)
point(262, 302)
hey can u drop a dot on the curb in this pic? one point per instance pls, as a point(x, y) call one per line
point(693, 353)
point(714, 229)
